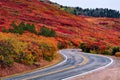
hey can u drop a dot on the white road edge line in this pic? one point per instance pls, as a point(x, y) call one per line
point(100, 68)
point(65, 59)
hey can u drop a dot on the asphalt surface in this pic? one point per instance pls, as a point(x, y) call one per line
point(74, 63)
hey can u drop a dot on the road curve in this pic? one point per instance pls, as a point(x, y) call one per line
point(75, 63)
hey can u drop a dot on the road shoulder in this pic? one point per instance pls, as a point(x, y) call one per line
point(110, 73)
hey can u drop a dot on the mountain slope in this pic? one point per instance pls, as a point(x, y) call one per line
point(29, 51)
point(103, 31)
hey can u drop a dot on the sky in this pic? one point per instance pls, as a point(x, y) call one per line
point(111, 4)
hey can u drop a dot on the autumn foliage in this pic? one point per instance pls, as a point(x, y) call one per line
point(27, 48)
point(100, 35)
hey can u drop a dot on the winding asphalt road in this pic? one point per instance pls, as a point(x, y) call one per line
point(75, 63)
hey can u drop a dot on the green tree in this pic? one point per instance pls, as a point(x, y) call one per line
point(20, 28)
point(27, 26)
point(52, 33)
point(17, 29)
point(22, 25)
point(47, 32)
point(30, 28)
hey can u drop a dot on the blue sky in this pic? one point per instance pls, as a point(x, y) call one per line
point(111, 4)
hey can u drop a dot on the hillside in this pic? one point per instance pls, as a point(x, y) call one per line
point(69, 28)
point(33, 50)
point(95, 12)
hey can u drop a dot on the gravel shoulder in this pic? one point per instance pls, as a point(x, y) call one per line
point(110, 73)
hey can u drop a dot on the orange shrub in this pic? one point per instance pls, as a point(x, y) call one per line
point(117, 54)
point(27, 48)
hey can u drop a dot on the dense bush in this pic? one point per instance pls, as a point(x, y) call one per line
point(20, 28)
point(115, 49)
point(30, 28)
point(17, 28)
point(97, 49)
point(61, 45)
point(27, 49)
point(117, 54)
point(107, 51)
point(88, 48)
point(47, 32)
point(6, 53)
point(83, 46)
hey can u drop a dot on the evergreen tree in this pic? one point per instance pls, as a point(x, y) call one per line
point(47, 32)
point(98, 12)
point(52, 33)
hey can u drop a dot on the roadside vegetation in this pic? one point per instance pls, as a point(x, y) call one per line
point(100, 49)
point(33, 37)
point(16, 46)
point(27, 49)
